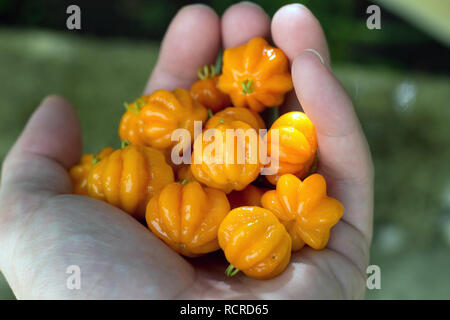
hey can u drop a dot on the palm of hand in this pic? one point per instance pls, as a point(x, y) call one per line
point(45, 229)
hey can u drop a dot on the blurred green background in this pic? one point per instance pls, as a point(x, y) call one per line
point(398, 78)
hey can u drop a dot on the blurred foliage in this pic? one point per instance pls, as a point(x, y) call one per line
point(5, 291)
point(404, 115)
point(344, 23)
point(431, 15)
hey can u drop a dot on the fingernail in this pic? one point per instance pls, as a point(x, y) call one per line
point(316, 53)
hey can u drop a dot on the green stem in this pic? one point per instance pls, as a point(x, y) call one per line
point(210, 113)
point(129, 108)
point(231, 270)
point(247, 86)
point(140, 103)
point(125, 143)
point(208, 71)
point(95, 160)
point(218, 65)
point(184, 181)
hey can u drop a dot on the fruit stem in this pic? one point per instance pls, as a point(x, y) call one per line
point(95, 160)
point(231, 270)
point(140, 103)
point(210, 113)
point(129, 108)
point(208, 71)
point(247, 86)
point(184, 181)
point(125, 143)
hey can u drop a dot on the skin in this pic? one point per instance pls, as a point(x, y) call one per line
point(44, 229)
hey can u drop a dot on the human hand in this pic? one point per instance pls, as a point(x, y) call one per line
point(44, 229)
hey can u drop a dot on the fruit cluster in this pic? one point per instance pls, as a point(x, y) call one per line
point(256, 206)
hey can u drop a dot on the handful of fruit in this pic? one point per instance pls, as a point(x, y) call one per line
point(201, 169)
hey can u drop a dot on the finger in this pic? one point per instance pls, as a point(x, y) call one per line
point(192, 40)
point(242, 22)
point(294, 29)
point(344, 156)
point(47, 147)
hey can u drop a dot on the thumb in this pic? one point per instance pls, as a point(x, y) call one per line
point(342, 146)
point(344, 155)
point(47, 147)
